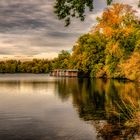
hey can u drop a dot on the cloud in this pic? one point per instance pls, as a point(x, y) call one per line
point(30, 27)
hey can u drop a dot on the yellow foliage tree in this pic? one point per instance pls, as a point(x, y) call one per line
point(116, 18)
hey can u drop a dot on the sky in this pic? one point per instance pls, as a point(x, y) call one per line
point(30, 29)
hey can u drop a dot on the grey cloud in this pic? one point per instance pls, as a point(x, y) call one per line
point(62, 34)
point(21, 16)
point(30, 27)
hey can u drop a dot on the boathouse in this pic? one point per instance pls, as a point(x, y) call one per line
point(65, 72)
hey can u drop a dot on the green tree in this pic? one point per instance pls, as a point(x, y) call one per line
point(62, 61)
point(89, 51)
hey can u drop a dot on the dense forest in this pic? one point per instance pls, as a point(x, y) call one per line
point(111, 49)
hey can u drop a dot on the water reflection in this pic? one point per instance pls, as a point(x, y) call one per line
point(112, 106)
point(47, 108)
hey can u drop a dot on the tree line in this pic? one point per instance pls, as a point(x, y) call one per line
point(34, 66)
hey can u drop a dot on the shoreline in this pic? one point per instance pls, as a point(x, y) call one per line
point(79, 77)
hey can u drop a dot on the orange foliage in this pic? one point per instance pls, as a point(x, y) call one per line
point(118, 17)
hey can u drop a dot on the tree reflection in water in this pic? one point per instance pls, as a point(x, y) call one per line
point(112, 106)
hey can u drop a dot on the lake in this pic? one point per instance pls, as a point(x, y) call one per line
point(39, 107)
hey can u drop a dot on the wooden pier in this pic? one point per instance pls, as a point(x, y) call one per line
point(64, 72)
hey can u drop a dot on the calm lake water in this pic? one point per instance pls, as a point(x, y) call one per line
point(39, 107)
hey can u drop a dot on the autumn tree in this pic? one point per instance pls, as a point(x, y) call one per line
point(117, 20)
point(119, 24)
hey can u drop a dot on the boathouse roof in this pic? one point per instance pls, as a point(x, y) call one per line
point(76, 70)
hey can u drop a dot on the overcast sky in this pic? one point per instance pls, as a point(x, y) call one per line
point(30, 28)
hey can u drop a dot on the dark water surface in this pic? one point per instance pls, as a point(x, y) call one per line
point(39, 107)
